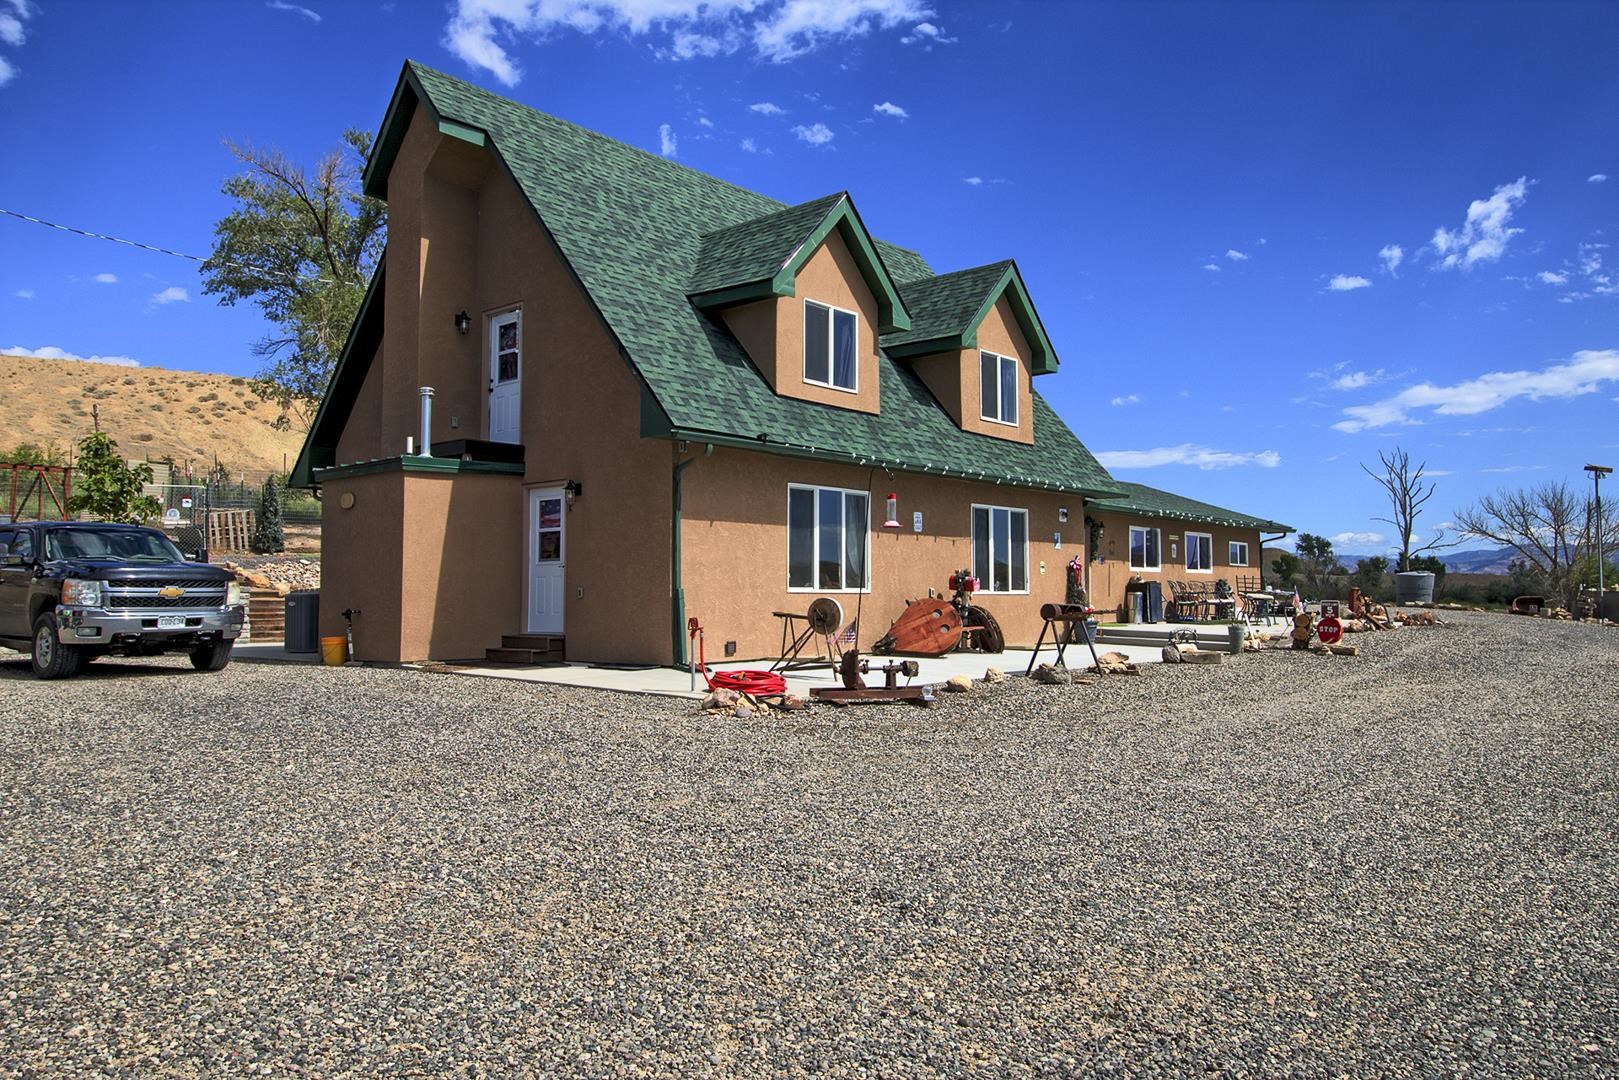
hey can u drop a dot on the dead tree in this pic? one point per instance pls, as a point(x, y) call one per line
point(1408, 492)
point(1544, 524)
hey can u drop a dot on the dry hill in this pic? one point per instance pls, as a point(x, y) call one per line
point(152, 412)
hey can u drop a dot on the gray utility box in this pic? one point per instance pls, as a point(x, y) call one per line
point(302, 630)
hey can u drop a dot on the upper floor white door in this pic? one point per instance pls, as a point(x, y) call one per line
point(505, 377)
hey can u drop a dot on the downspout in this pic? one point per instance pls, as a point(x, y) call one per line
point(1262, 543)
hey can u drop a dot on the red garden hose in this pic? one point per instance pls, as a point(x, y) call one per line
point(754, 683)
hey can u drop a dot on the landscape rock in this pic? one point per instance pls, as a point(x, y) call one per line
point(994, 675)
point(1051, 676)
point(721, 698)
point(958, 684)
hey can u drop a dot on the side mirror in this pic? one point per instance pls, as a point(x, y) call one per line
point(16, 560)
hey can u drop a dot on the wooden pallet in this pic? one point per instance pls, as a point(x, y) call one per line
point(230, 530)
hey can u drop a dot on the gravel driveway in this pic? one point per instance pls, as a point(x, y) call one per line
point(1404, 862)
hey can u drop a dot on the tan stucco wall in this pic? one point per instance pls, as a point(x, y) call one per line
point(953, 377)
point(362, 434)
point(772, 331)
point(1111, 572)
point(734, 542)
point(463, 238)
point(361, 561)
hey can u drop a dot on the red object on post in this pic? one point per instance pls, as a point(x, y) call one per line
point(1329, 630)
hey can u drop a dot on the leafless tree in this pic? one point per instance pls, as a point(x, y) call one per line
point(1408, 491)
point(1546, 524)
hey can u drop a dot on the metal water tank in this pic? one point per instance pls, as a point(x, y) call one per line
point(1414, 587)
point(302, 629)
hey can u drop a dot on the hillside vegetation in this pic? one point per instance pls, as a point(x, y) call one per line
point(151, 412)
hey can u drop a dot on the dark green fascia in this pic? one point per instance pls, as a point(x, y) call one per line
point(365, 336)
point(415, 463)
point(1044, 360)
point(396, 122)
point(770, 445)
point(891, 312)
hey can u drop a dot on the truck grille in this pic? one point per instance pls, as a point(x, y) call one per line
point(149, 594)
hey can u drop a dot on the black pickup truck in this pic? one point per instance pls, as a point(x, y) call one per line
point(73, 591)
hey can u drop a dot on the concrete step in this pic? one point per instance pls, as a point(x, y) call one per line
point(532, 641)
point(1161, 634)
point(523, 656)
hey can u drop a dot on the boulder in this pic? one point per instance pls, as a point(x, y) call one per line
point(1112, 658)
point(1051, 676)
point(1200, 656)
point(720, 698)
point(1171, 654)
point(958, 684)
point(994, 675)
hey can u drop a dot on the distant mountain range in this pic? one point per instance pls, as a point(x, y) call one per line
point(1469, 561)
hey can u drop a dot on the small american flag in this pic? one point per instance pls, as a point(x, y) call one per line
point(847, 635)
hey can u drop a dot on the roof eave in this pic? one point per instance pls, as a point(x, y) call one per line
point(892, 314)
point(320, 446)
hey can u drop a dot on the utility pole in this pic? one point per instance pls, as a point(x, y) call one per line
point(1597, 473)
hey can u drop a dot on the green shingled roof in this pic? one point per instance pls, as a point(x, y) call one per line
point(1151, 502)
point(947, 310)
point(631, 226)
point(757, 250)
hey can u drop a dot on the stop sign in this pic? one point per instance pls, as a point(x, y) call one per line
point(1329, 630)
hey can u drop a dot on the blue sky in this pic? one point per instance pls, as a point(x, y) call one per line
point(1268, 240)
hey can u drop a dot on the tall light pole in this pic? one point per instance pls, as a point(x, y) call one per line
point(1597, 473)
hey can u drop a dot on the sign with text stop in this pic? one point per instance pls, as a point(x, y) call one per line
point(1329, 630)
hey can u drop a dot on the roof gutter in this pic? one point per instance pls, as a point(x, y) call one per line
point(767, 442)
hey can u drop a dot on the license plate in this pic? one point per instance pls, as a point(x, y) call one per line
point(171, 622)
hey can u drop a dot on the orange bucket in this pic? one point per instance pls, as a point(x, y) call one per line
point(334, 651)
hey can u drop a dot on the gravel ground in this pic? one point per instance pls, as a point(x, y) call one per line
point(1401, 863)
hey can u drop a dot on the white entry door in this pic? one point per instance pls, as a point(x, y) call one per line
point(505, 377)
point(547, 560)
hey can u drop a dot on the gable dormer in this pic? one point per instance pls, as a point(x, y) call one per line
point(806, 294)
point(977, 342)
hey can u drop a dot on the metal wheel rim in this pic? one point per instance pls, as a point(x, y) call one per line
point(44, 646)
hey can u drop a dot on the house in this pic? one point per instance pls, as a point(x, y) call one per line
point(658, 396)
point(1158, 536)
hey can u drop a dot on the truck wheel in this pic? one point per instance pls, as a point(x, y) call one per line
point(212, 657)
point(52, 659)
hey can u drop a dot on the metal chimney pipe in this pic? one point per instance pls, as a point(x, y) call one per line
point(426, 448)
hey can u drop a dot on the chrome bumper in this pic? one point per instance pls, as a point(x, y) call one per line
point(90, 626)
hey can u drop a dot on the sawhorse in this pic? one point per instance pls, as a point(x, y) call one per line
point(1060, 620)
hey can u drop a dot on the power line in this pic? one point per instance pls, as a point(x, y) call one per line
point(150, 247)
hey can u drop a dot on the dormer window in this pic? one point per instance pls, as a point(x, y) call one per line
point(997, 388)
point(830, 345)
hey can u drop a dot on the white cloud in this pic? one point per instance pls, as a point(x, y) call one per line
point(1235, 256)
point(1597, 178)
point(1583, 373)
point(888, 108)
point(752, 147)
point(1187, 454)
point(1347, 283)
point(1392, 255)
point(1356, 539)
point(282, 5)
point(24, 294)
point(1512, 468)
point(927, 35)
point(1127, 399)
point(1214, 267)
point(170, 295)
point(767, 108)
point(974, 181)
point(1357, 379)
point(11, 29)
point(7, 71)
point(1484, 234)
point(480, 32)
point(816, 134)
point(704, 122)
point(107, 279)
point(666, 141)
point(51, 352)
point(1553, 277)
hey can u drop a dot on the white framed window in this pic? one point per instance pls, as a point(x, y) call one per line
point(997, 388)
point(1237, 553)
point(1001, 548)
point(1199, 553)
point(1145, 544)
point(828, 539)
point(831, 346)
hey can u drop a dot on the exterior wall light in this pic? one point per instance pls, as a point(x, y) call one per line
point(571, 491)
point(463, 321)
